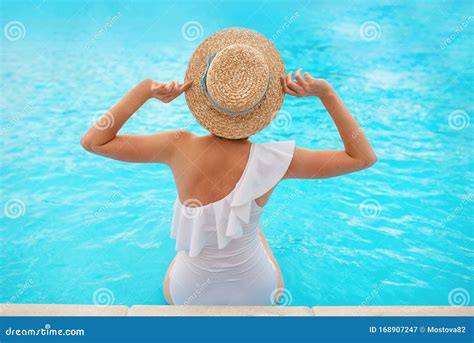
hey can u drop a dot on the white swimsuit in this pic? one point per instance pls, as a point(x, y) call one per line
point(221, 259)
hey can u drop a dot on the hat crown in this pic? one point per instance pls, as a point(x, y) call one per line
point(237, 79)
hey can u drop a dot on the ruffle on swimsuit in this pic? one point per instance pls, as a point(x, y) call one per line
point(226, 218)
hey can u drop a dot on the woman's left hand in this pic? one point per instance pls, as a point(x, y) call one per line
point(167, 92)
point(307, 86)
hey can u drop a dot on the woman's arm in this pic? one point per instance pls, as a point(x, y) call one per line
point(102, 138)
point(357, 153)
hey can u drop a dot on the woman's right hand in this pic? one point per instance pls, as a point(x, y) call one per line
point(167, 92)
point(307, 86)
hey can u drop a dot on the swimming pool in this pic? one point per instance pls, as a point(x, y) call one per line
point(77, 228)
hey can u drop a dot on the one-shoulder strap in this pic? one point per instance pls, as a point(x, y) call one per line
point(269, 163)
point(267, 166)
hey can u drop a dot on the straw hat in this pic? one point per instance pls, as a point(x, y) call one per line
point(236, 90)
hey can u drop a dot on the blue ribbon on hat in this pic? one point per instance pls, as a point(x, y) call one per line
point(203, 88)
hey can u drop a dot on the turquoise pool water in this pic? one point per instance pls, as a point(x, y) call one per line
point(77, 228)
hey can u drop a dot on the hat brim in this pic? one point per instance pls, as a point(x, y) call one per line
point(235, 126)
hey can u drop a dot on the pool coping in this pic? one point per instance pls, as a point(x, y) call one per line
point(167, 310)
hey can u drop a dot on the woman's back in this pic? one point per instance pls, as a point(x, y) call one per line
point(208, 167)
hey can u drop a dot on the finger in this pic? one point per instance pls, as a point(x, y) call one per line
point(285, 87)
point(185, 86)
point(168, 98)
point(158, 87)
point(174, 86)
point(288, 90)
point(289, 78)
point(299, 79)
point(179, 88)
point(283, 81)
point(307, 76)
point(296, 88)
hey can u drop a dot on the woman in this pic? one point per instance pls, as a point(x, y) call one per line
point(235, 84)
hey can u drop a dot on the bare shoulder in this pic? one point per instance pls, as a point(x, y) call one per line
point(182, 136)
point(185, 144)
point(180, 140)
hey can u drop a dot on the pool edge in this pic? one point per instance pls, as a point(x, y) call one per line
point(166, 310)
